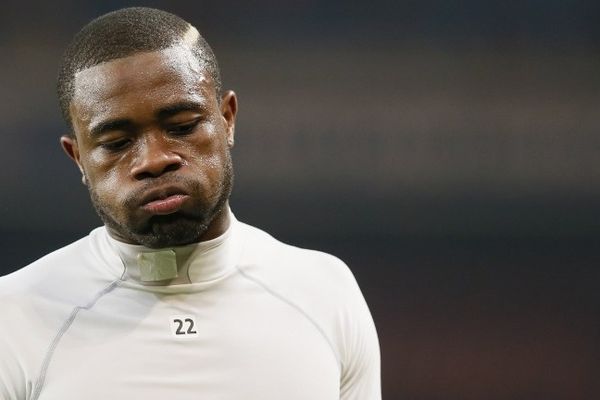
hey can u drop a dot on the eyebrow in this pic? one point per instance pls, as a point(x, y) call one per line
point(176, 108)
point(110, 125)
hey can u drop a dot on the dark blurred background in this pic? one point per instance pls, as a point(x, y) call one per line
point(447, 151)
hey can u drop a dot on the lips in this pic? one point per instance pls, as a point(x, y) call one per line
point(166, 206)
point(164, 201)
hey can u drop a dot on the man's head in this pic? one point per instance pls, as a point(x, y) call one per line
point(151, 133)
point(125, 32)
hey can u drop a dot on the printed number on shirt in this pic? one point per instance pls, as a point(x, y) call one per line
point(183, 326)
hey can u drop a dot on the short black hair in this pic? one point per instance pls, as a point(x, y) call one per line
point(122, 33)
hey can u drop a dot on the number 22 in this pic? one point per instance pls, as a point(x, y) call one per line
point(190, 326)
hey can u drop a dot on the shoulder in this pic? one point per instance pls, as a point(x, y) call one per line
point(318, 283)
point(43, 270)
point(285, 263)
point(64, 276)
point(37, 299)
point(323, 288)
point(29, 276)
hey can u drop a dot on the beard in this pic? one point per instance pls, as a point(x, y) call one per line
point(177, 229)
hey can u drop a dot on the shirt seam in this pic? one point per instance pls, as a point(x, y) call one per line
point(299, 309)
point(61, 332)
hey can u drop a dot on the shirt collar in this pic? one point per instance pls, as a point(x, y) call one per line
point(194, 263)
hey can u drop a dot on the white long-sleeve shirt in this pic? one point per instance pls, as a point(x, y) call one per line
point(245, 317)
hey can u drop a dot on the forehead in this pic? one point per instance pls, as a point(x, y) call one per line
point(143, 79)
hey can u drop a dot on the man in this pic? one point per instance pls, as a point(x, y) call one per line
point(173, 298)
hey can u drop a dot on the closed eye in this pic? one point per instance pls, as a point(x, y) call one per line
point(183, 129)
point(116, 145)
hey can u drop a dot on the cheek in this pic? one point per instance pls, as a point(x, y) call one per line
point(106, 180)
point(210, 150)
point(110, 184)
point(209, 168)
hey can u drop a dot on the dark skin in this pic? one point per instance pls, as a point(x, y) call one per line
point(152, 141)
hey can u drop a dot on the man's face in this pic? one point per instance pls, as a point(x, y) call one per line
point(153, 143)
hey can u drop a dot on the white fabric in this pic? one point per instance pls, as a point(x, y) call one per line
point(270, 322)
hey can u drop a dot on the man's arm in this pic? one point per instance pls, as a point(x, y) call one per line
point(12, 377)
point(361, 374)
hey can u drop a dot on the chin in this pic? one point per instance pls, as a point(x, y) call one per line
point(162, 231)
point(171, 232)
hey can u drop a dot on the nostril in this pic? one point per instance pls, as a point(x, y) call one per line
point(172, 167)
point(143, 175)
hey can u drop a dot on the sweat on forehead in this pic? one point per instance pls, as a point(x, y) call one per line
point(156, 79)
point(123, 33)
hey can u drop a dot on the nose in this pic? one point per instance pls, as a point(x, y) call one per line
point(154, 158)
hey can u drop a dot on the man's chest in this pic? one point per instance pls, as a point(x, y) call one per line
point(190, 347)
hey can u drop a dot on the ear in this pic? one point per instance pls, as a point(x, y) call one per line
point(69, 145)
point(229, 109)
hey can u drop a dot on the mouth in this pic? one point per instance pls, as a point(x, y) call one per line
point(164, 201)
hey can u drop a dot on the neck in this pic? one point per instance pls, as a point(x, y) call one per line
point(219, 224)
point(195, 263)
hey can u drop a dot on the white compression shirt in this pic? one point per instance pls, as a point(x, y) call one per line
point(245, 317)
